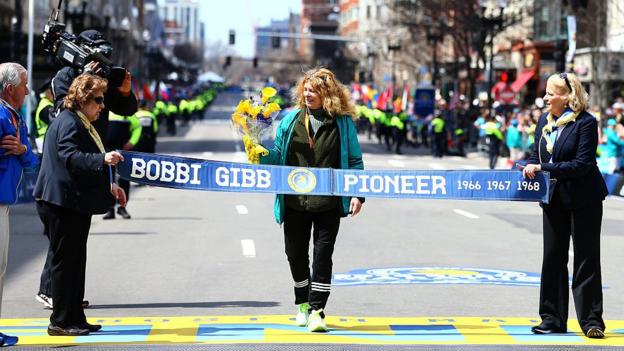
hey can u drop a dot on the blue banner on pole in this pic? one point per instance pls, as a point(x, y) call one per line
point(424, 101)
point(189, 173)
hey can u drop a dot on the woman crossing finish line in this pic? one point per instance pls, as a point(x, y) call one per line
point(319, 133)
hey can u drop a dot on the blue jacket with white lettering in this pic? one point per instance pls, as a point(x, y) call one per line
point(350, 153)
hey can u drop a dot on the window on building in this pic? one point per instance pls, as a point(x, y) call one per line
point(378, 12)
point(368, 11)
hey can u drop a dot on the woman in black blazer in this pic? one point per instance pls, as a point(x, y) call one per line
point(566, 140)
point(74, 183)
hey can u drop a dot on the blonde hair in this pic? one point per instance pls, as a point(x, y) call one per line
point(577, 98)
point(335, 97)
point(82, 89)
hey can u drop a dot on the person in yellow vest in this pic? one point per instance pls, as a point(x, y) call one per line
point(172, 115)
point(386, 129)
point(379, 117)
point(43, 113)
point(149, 129)
point(184, 111)
point(398, 122)
point(493, 138)
point(124, 133)
point(439, 135)
point(160, 111)
point(369, 113)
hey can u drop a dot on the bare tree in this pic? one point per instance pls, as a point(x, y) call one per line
point(593, 32)
point(460, 24)
point(214, 56)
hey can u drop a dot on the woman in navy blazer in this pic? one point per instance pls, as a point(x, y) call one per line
point(74, 183)
point(566, 140)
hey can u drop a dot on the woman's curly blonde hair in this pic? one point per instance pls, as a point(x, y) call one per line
point(577, 98)
point(83, 88)
point(334, 95)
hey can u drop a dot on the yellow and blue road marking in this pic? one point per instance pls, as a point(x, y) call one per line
point(281, 329)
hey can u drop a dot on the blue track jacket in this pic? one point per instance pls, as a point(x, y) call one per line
point(11, 166)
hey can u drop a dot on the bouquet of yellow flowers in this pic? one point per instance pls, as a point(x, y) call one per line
point(253, 120)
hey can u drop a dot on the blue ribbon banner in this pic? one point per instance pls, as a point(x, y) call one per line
point(188, 173)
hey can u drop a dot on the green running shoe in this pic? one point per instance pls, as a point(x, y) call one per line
point(316, 323)
point(302, 314)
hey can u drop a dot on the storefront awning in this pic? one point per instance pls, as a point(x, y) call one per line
point(521, 81)
point(498, 87)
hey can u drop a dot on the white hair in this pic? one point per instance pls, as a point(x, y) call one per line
point(11, 74)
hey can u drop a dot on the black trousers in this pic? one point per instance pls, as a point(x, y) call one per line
point(494, 150)
point(584, 227)
point(45, 282)
point(439, 144)
point(68, 232)
point(297, 230)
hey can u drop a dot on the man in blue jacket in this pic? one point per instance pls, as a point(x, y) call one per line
point(15, 155)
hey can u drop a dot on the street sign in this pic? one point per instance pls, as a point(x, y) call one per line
point(507, 96)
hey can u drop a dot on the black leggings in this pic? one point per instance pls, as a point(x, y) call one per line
point(297, 231)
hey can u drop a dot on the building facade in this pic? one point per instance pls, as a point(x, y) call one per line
point(182, 21)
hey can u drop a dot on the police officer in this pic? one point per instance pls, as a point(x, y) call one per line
point(160, 111)
point(172, 115)
point(439, 135)
point(493, 138)
point(149, 129)
point(184, 110)
point(44, 110)
point(398, 130)
point(124, 132)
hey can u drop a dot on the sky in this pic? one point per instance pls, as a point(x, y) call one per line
point(219, 16)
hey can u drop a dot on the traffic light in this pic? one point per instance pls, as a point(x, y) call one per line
point(232, 37)
point(276, 41)
point(255, 62)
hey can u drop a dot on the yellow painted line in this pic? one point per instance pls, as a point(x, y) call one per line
point(281, 329)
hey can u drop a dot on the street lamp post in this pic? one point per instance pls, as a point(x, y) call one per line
point(434, 35)
point(491, 25)
point(393, 48)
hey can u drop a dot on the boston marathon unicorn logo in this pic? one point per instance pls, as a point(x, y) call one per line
point(301, 180)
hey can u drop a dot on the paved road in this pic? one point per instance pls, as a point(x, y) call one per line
point(188, 253)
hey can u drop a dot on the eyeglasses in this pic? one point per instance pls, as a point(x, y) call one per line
point(99, 100)
point(564, 76)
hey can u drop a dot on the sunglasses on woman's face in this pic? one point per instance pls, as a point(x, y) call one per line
point(99, 100)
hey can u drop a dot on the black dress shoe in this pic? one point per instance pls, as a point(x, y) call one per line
point(110, 214)
point(123, 213)
point(595, 333)
point(545, 328)
point(68, 331)
point(91, 327)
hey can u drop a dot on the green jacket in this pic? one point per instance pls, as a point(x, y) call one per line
point(350, 154)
